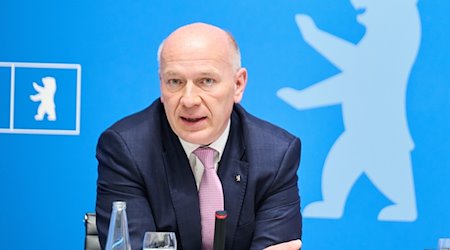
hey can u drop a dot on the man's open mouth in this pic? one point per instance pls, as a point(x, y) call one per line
point(193, 120)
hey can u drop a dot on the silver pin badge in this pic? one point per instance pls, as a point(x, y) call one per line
point(238, 178)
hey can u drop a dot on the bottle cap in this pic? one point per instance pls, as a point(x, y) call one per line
point(119, 204)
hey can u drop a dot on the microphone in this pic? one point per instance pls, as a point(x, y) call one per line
point(220, 230)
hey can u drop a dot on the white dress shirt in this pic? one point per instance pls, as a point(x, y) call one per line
point(196, 165)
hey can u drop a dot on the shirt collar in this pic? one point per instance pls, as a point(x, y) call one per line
point(218, 145)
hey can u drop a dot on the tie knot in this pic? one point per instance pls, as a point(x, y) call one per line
point(206, 156)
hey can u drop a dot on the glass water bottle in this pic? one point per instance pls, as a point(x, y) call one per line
point(118, 236)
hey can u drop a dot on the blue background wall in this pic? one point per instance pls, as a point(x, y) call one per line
point(47, 182)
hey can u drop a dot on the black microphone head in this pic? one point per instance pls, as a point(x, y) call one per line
point(221, 214)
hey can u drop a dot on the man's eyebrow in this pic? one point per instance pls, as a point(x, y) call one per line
point(208, 73)
point(170, 73)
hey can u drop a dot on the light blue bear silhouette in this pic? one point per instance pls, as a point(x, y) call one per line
point(371, 89)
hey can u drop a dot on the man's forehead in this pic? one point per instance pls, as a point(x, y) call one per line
point(198, 59)
point(196, 66)
point(195, 49)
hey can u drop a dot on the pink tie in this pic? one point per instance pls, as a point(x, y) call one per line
point(210, 194)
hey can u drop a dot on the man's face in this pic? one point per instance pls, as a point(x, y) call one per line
point(199, 86)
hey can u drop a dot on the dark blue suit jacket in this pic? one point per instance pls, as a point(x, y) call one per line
point(142, 162)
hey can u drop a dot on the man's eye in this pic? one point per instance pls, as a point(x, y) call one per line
point(174, 82)
point(207, 81)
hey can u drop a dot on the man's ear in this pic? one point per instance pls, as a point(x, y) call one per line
point(240, 84)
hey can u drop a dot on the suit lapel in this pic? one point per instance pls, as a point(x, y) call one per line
point(233, 172)
point(183, 190)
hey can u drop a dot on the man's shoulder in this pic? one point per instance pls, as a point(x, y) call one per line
point(144, 120)
point(255, 127)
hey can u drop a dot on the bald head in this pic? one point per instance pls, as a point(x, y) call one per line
point(195, 40)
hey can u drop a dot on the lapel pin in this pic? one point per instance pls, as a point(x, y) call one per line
point(238, 178)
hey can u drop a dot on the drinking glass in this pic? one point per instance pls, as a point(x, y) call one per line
point(159, 240)
point(444, 244)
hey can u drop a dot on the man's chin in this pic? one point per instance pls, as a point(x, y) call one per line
point(196, 138)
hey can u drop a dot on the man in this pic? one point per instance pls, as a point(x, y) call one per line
point(151, 160)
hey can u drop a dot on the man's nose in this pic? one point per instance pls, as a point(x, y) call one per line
point(190, 97)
